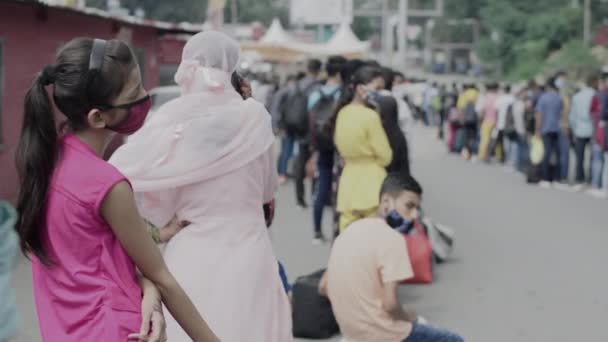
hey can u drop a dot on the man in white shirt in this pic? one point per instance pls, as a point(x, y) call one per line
point(367, 263)
point(506, 132)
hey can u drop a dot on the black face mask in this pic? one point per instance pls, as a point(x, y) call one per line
point(398, 222)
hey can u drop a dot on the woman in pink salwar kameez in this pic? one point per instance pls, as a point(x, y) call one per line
point(207, 158)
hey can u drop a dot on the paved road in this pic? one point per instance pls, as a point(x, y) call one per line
point(528, 264)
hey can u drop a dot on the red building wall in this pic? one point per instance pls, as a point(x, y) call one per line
point(31, 34)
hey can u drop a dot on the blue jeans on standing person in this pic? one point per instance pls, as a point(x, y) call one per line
point(564, 158)
point(325, 166)
point(551, 142)
point(512, 146)
point(605, 173)
point(523, 158)
point(426, 333)
point(287, 145)
point(605, 168)
point(597, 165)
point(428, 115)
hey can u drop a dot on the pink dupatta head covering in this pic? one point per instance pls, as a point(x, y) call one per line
point(206, 132)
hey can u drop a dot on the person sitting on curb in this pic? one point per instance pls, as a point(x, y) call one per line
point(364, 298)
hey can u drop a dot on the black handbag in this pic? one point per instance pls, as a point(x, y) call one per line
point(312, 314)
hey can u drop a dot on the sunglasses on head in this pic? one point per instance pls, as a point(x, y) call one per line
point(96, 62)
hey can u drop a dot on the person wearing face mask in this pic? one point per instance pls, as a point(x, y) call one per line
point(207, 158)
point(364, 298)
point(78, 220)
point(363, 145)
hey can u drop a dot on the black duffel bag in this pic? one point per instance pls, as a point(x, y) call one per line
point(312, 313)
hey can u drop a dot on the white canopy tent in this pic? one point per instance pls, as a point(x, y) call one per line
point(345, 42)
point(278, 45)
point(276, 34)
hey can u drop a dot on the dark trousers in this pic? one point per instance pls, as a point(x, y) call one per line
point(551, 142)
point(495, 143)
point(442, 115)
point(325, 166)
point(300, 169)
point(470, 131)
point(580, 145)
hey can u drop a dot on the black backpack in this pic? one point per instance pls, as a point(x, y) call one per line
point(295, 110)
point(320, 118)
point(470, 115)
point(312, 313)
point(510, 130)
point(530, 121)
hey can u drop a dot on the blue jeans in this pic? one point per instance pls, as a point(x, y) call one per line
point(287, 145)
point(425, 333)
point(597, 165)
point(605, 172)
point(512, 146)
point(523, 158)
point(325, 166)
point(564, 157)
point(428, 114)
point(551, 141)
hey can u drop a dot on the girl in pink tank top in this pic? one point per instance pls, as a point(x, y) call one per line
point(78, 220)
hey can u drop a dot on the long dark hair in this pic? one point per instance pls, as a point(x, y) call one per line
point(389, 114)
point(76, 91)
point(362, 76)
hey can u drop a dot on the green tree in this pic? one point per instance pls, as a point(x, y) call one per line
point(258, 10)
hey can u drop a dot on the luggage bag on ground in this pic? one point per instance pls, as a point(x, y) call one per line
point(312, 313)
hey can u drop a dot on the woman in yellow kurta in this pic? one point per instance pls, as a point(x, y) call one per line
point(364, 147)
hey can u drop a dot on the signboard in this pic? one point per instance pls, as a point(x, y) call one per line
point(321, 12)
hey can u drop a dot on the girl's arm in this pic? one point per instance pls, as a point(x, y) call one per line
point(119, 210)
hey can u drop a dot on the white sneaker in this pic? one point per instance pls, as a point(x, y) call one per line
point(319, 239)
point(598, 193)
point(578, 187)
point(545, 184)
point(563, 187)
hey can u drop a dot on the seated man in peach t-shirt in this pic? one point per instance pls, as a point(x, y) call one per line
point(367, 263)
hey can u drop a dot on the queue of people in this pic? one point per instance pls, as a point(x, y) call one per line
point(354, 130)
point(536, 129)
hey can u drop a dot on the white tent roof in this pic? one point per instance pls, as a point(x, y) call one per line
point(345, 41)
point(277, 42)
point(276, 34)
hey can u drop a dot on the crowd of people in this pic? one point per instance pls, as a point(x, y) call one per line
point(198, 179)
point(348, 122)
point(533, 128)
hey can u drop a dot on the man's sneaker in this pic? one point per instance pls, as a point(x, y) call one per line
point(598, 193)
point(545, 184)
point(563, 186)
point(578, 187)
point(319, 239)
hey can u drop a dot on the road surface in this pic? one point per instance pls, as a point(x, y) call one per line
point(528, 264)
